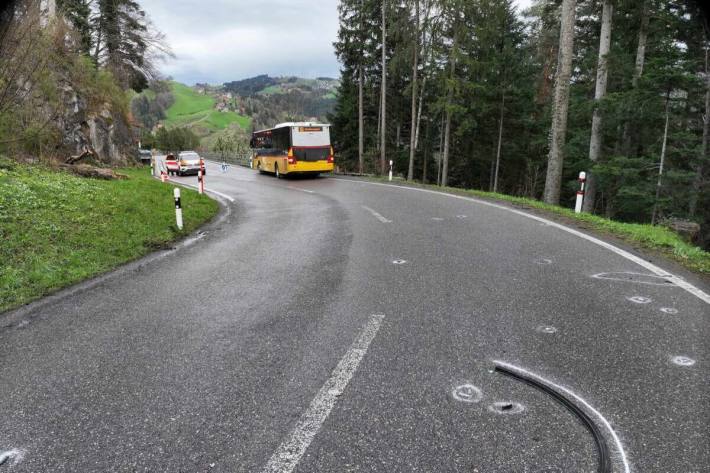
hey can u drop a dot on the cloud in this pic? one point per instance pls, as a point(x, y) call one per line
point(217, 41)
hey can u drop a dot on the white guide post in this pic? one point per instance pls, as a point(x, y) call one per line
point(178, 208)
point(391, 163)
point(580, 192)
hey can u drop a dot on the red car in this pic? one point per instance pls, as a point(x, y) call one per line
point(172, 164)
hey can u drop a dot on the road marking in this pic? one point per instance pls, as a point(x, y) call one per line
point(505, 407)
point(628, 276)
point(377, 215)
point(289, 453)
point(467, 393)
point(231, 199)
point(399, 261)
point(639, 299)
point(301, 190)
point(15, 456)
point(607, 425)
point(543, 261)
point(547, 329)
point(623, 253)
point(683, 361)
point(669, 310)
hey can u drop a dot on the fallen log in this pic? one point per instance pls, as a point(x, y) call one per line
point(86, 170)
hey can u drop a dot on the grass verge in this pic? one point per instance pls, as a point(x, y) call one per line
point(57, 229)
point(656, 238)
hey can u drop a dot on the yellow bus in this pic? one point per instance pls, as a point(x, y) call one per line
point(293, 148)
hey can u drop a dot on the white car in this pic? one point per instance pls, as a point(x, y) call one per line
point(190, 163)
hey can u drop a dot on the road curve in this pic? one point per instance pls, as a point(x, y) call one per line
point(333, 325)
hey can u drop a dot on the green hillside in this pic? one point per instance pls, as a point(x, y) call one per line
point(194, 110)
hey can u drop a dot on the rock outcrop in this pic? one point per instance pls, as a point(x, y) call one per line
point(102, 132)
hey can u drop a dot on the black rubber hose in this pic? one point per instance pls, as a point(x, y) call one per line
point(604, 465)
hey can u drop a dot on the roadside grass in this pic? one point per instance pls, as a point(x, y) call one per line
point(191, 108)
point(57, 229)
point(656, 238)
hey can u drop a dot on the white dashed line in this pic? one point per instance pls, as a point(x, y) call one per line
point(587, 406)
point(377, 215)
point(289, 453)
point(623, 253)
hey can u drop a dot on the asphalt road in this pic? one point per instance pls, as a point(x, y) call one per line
point(335, 325)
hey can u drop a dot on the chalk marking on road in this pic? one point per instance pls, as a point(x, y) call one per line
point(14, 456)
point(639, 299)
point(437, 219)
point(291, 450)
point(467, 393)
point(505, 407)
point(547, 329)
point(300, 190)
point(377, 215)
point(399, 261)
point(669, 310)
point(683, 361)
point(543, 261)
point(705, 297)
point(622, 276)
point(619, 446)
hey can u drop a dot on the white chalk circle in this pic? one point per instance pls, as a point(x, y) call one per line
point(543, 261)
point(547, 329)
point(506, 408)
point(462, 216)
point(467, 393)
point(669, 310)
point(683, 361)
point(639, 299)
point(399, 261)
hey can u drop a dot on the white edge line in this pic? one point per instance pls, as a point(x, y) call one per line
point(289, 453)
point(377, 215)
point(641, 262)
point(607, 425)
point(231, 199)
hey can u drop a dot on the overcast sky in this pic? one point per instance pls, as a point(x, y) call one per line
point(217, 41)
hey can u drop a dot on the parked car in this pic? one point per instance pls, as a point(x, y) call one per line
point(189, 162)
point(146, 156)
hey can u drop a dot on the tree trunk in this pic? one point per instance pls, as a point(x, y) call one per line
point(447, 126)
point(560, 106)
point(663, 159)
point(383, 99)
point(360, 106)
point(415, 72)
point(698, 181)
point(439, 154)
point(595, 141)
point(500, 141)
point(638, 70)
